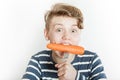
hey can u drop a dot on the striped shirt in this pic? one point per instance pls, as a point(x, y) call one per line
point(42, 67)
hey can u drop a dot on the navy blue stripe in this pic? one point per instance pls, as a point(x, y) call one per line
point(27, 76)
point(100, 76)
point(33, 71)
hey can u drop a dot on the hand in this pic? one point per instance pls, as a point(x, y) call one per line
point(66, 71)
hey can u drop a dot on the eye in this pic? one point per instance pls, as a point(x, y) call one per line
point(74, 31)
point(59, 30)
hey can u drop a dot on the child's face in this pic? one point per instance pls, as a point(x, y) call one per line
point(63, 30)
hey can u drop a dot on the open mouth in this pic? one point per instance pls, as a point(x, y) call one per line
point(66, 55)
point(63, 55)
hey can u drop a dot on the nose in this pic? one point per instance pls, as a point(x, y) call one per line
point(66, 36)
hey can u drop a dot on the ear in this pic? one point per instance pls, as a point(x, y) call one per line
point(46, 34)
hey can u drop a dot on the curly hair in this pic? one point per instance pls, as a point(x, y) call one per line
point(62, 9)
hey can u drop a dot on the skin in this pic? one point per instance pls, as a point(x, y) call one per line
point(63, 30)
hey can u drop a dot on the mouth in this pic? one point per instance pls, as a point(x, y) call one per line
point(63, 55)
point(66, 55)
point(65, 43)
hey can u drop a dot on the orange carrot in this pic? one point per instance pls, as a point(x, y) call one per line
point(66, 48)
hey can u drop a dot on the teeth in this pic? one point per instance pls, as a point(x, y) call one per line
point(65, 44)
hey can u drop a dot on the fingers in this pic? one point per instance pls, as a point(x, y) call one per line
point(62, 67)
point(65, 69)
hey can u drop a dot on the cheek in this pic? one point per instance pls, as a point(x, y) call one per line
point(76, 40)
point(55, 38)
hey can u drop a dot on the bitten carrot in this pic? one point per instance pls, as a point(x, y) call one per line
point(66, 48)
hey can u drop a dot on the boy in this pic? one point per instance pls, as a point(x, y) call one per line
point(63, 26)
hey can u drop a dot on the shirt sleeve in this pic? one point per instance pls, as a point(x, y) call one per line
point(33, 71)
point(97, 69)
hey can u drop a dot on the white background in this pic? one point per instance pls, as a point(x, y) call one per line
point(21, 33)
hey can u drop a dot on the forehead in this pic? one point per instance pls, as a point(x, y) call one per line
point(63, 20)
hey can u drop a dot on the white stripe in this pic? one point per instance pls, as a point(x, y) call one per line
point(47, 70)
point(85, 55)
point(83, 77)
point(33, 60)
point(40, 55)
point(49, 78)
point(95, 60)
point(86, 70)
point(30, 73)
point(87, 78)
point(81, 63)
point(39, 66)
point(96, 74)
point(78, 76)
point(34, 68)
point(100, 65)
point(25, 79)
point(45, 62)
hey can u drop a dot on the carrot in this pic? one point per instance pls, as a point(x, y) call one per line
point(66, 48)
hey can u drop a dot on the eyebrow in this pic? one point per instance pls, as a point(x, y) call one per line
point(62, 24)
point(57, 24)
point(74, 25)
